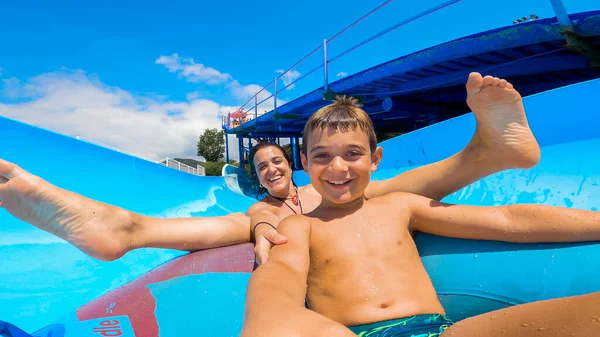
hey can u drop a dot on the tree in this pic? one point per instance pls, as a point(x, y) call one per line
point(213, 169)
point(211, 145)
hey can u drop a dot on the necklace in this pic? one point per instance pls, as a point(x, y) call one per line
point(295, 200)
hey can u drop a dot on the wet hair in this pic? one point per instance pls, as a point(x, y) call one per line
point(261, 190)
point(344, 114)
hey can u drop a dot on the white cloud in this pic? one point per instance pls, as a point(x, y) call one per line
point(154, 127)
point(342, 74)
point(192, 95)
point(195, 72)
point(289, 77)
point(192, 71)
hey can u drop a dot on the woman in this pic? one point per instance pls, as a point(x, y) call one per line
point(108, 232)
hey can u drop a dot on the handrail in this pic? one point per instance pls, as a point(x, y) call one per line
point(383, 4)
point(326, 60)
point(402, 23)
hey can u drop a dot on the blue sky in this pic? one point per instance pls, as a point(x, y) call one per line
point(147, 77)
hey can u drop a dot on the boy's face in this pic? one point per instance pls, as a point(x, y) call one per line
point(340, 163)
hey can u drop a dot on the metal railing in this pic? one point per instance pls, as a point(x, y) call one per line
point(326, 61)
point(172, 163)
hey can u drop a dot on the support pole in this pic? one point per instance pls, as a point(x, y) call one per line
point(255, 105)
point(561, 15)
point(275, 96)
point(295, 145)
point(226, 147)
point(241, 151)
point(325, 66)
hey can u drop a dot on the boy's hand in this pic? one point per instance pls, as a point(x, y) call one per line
point(265, 237)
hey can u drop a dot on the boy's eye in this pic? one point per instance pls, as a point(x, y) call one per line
point(320, 155)
point(354, 153)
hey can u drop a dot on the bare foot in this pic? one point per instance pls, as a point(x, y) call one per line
point(503, 133)
point(100, 230)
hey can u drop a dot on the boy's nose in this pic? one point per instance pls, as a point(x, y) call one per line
point(338, 164)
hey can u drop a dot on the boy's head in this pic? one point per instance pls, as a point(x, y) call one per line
point(340, 150)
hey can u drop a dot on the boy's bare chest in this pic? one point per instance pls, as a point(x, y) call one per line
point(374, 234)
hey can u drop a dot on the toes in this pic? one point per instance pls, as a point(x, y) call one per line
point(7, 170)
point(495, 81)
point(488, 80)
point(509, 85)
point(503, 83)
point(474, 83)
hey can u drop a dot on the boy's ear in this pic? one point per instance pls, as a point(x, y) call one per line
point(376, 158)
point(304, 161)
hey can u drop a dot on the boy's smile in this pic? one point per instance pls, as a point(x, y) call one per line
point(340, 163)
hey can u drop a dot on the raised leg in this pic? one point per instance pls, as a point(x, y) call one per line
point(502, 140)
point(104, 231)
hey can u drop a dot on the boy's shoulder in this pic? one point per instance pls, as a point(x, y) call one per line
point(295, 219)
point(295, 223)
point(394, 197)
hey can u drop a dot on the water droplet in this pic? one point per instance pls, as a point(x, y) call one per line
point(475, 256)
point(358, 236)
point(524, 325)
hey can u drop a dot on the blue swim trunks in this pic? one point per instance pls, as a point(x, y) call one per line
point(414, 326)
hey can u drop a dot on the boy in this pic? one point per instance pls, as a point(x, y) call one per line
point(353, 258)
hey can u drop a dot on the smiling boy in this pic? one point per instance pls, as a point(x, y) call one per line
point(353, 258)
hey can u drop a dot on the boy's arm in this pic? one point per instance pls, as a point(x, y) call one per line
point(436, 180)
point(513, 223)
point(281, 281)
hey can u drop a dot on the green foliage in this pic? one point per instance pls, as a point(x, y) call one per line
point(213, 168)
point(234, 163)
point(381, 136)
point(211, 145)
point(288, 149)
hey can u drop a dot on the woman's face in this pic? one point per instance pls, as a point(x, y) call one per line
point(273, 170)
